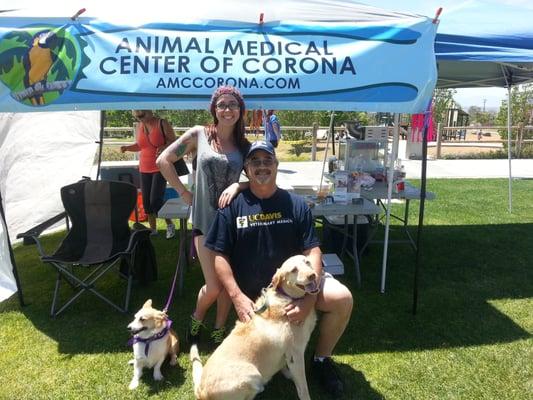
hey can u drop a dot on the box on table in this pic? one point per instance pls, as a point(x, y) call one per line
point(332, 264)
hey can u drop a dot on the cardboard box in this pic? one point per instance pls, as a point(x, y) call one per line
point(332, 264)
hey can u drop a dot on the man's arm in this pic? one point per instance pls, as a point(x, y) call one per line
point(243, 305)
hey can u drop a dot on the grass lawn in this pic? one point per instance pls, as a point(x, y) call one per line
point(471, 338)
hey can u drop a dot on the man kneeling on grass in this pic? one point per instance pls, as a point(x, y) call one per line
point(252, 237)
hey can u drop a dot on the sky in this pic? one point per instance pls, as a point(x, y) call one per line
point(490, 97)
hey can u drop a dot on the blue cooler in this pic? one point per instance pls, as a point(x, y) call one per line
point(170, 193)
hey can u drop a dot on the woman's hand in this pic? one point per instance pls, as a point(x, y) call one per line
point(298, 310)
point(123, 149)
point(228, 195)
point(187, 197)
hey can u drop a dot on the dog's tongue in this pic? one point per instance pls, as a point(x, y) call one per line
point(311, 287)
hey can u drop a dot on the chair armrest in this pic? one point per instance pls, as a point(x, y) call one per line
point(136, 236)
point(31, 236)
point(37, 230)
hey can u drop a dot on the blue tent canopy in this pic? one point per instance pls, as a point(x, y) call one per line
point(484, 61)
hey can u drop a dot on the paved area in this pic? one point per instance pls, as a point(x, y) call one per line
point(306, 175)
point(522, 168)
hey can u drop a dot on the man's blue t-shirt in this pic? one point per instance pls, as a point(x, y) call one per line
point(258, 235)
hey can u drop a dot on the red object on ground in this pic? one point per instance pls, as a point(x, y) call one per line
point(141, 215)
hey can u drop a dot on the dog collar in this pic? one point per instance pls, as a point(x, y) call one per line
point(137, 339)
point(280, 290)
point(265, 304)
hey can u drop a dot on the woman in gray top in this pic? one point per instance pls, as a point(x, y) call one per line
point(220, 149)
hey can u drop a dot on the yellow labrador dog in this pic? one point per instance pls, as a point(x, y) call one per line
point(254, 351)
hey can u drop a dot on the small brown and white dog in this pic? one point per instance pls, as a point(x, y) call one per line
point(152, 341)
point(254, 351)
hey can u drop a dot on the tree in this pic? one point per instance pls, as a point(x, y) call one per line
point(521, 109)
point(442, 100)
point(477, 115)
point(119, 118)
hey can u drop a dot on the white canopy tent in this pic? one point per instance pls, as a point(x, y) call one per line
point(327, 28)
point(39, 153)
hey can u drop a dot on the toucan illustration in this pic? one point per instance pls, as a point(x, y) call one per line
point(38, 55)
point(38, 61)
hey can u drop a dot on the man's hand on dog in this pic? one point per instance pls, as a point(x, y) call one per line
point(299, 309)
point(244, 307)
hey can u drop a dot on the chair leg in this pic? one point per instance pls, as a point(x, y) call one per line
point(130, 281)
point(56, 292)
point(87, 284)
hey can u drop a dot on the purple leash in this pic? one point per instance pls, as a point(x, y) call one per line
point(173, 287)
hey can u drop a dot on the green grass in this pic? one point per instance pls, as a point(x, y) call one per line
point(471, 338)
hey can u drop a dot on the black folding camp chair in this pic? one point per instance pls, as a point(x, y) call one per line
point(99, 238)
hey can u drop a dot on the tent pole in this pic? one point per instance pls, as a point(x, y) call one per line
point(332, 132)
point(100, 143)
point(421, 212)
point(11, 256)
point(509, 155)
point(390, 174)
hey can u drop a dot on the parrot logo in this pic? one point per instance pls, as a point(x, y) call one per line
point(38, 65)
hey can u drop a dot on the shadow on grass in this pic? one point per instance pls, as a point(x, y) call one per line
point(463, 267)
point(89, 325)
point(174, 376)
point(355, 387)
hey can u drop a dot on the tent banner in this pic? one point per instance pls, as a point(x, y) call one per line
point(90, 64)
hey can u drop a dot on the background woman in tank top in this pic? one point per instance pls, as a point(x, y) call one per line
point(151, 137)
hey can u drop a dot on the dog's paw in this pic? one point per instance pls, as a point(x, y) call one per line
point(133, 384)
point(158, 376)
point(131, 362)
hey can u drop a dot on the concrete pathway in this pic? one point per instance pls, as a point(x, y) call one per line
point(306, 174)
point(521, 168)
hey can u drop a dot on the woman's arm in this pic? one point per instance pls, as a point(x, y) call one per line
point(130, 147)
point(227, 196)
point(184, 144)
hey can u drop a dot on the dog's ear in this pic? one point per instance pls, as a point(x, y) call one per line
point(148, 304)
point(276, 279)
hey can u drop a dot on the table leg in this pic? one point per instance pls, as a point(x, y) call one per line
point(355, 252)
point(344, 236)
point(405, 221)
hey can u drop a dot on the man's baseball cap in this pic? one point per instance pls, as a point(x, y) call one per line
point(261, 145)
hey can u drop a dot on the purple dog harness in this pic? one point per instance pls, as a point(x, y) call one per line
point(137, 339)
